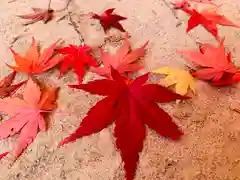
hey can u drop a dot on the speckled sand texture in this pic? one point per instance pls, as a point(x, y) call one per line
point(210, 149)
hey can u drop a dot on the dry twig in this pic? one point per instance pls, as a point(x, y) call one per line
point(75, 27)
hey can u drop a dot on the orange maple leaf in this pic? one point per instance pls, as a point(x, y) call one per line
point(34, 62)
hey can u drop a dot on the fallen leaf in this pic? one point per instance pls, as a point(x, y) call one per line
point(38, 15)
point(6, 87)
point(35, 63)
point(175, 76)
point(108, 20)
point(227, 79)
point(122, 61)
point(132, 103)
point(77, 57)
point(27, 114)
point(215, 64)
point(208, 18)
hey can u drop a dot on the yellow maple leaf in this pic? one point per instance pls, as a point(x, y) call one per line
point(178, 77)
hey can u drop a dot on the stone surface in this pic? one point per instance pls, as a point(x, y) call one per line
point(210, 147)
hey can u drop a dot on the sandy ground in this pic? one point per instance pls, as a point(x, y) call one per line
point(208, 151)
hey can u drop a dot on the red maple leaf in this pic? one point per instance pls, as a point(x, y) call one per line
point(215, 64)
point(208, 18)
point(27, 114)
point(6, 87)
point(122, 61)
point(132, 103)
point(78, 57)
point(227, 79)
point(39, 14)
point(108, 20)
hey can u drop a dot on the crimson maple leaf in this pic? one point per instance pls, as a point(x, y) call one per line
point(78, 57)
point(122, 61)
point(108, 20)
point(132, 103)
point(27, 114)
point(39, 14)
point(34, 62)
point(6, 87)
point(215, 63)
point(208, 18)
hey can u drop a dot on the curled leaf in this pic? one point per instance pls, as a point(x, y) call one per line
point(6, 86)
point(214, 64)
point(38, 15)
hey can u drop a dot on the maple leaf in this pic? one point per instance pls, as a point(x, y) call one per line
point(122, 61)
point(27, 114)
point(39, 14)
point(208, 18)
point(6, 87)
point(78, 57)
point(214, 63)
point(182, 79)
point(227, 79)
point(35, 63)
point(108, 20)
point(133, 104)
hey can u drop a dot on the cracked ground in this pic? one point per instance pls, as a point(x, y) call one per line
point(211, 120)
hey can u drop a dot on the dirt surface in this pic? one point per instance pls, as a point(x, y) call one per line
point(208, 151)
